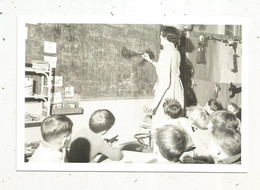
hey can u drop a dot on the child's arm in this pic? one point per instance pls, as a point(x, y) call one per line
point(113, 153)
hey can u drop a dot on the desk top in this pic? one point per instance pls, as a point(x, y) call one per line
point(134, 157)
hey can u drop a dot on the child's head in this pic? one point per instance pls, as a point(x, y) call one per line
point(225, 140)
point(213, 105)
point(224, 118)
point(198, 116)
point(56, 130)
point(233, 108)
point(101, 121)
point(171, 141)
point(172, 108)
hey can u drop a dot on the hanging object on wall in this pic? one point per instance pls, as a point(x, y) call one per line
point(232, 61)
point(216, 90)
point(200, 58)
point(234, 90)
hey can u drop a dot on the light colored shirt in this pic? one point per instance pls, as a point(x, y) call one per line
point(46, 155)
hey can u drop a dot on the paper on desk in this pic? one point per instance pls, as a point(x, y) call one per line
point(137, 157)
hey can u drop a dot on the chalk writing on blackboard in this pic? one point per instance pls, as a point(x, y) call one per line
point(89, 57)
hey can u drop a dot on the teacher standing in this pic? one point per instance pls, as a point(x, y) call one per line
point(168, 84)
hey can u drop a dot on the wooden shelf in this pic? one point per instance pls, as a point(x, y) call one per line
point(37, 97)
point(68, 111)
point(41, 71)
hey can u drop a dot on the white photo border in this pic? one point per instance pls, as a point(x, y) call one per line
point(124, 167)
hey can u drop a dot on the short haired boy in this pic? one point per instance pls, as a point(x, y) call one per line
point(172, 143)
point(99, 123)
point(213, 105)
point(225, 145)
point(225, 139)
point(224, 118)
point(173, 110)
point(234, 108)
point(56, 133)
point(199, 119)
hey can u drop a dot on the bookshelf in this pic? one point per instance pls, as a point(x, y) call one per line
point(38, 90)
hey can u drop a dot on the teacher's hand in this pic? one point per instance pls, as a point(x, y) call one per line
point(147, 57)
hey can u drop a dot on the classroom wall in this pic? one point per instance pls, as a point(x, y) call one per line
point(128, 113)
point(204, 92)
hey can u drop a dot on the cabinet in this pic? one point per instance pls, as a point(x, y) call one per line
point(38, 92)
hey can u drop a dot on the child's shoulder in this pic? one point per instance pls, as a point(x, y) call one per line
point(47, 155)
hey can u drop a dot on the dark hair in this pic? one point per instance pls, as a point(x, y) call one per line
point(172, 34)
point(101, 120)
point(237, 109)
point(79, 151)
point(215, 105)
point(225, 119)
point(54, 126)
point(172, 108)
point(171, 141)
point(229, 139)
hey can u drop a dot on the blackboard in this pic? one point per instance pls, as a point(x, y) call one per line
point(89, 57)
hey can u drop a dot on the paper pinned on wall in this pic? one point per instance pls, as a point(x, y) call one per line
point(50, 47)
point(57, 97)
point(52, 60)
point(69, 91)
point(58, 81)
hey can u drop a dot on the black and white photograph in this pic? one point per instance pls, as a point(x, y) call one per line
point(140, 94)
point(163, 97)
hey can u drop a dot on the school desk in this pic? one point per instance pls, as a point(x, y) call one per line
point(134, 157)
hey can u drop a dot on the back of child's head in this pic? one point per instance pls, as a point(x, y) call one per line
point(198, 116)
point(171, 141)
point(101, 120)
point(56, 126)
point(172, 108)
point(225, 119)
point(215, 105)
point(233, 108)
point(227, 138)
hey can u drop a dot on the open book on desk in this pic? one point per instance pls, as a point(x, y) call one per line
point(134, 157)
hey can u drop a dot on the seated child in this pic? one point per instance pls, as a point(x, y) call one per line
point(212, 106)
point(171, 141)
point(99, 123)
point(233, 108)
point(56, 133)
point(225, 144)
point(225, 140)
point(173, 110)
point(199, 119)
point(226, 118)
